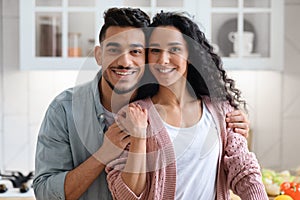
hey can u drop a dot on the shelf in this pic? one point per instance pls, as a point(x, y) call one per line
point(71, 28)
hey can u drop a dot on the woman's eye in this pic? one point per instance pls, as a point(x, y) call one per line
point(154, 50)
point(174, 50)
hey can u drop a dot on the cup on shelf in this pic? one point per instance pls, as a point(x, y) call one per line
point(247, 39)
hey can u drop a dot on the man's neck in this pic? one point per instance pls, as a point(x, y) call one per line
point(112, 101)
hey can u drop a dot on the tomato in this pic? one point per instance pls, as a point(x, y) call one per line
point(292, 189)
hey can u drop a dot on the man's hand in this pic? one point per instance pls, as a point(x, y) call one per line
point(238, 121)
point(114, 143)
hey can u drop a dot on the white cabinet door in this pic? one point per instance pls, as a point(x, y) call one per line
point(61, 34)
point(248, 33)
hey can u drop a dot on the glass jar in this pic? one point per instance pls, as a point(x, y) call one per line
point(74, 49)
point(49, 36)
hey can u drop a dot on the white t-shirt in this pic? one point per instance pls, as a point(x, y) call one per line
point(197, 152)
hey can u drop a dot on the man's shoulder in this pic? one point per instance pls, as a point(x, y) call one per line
point(64, 97)
point(67, 96)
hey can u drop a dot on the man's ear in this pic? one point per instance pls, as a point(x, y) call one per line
point(97, 54)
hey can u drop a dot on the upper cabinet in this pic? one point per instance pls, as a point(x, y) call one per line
point(248, 34)
point(61, 34)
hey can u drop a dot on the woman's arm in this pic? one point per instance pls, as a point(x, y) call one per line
point(127, 175)
point(244, 175)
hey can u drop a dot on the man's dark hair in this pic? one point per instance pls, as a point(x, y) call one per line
point(124, 17)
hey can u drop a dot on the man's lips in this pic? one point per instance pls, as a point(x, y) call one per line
point(124, 71)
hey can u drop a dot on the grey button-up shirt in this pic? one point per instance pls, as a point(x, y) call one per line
point(71, 132)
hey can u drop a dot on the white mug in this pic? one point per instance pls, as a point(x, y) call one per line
point(247, 37)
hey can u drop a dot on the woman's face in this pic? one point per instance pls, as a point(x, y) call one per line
point(167, 55)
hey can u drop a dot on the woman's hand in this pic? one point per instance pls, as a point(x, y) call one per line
point(238, 121)
point(114, 142)
point(133, 120)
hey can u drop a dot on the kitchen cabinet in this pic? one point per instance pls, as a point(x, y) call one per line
point(58, 34)
point(61, 34)
point(248, 33)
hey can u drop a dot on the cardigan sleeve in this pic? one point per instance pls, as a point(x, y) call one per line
point(243, 170)
point(117, 186)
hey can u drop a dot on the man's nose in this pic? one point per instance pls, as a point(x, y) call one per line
point(124, 60)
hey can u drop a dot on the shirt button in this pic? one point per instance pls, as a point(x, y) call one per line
point(101, 116)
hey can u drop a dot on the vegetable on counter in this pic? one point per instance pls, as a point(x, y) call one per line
point(291, 189)
point(283, 197)
point(272, 180)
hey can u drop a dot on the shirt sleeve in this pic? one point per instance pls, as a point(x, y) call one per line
point(244, 175)
point(53, 156)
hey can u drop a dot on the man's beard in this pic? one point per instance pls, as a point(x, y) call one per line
point(116, 90)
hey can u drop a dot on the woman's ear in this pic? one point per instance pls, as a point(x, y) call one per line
point(97, 54)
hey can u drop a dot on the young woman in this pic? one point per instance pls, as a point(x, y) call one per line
point(190, 153)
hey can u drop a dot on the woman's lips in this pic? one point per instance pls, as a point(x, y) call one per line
point(165, 70)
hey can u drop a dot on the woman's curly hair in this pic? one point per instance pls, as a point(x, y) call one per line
point(205, 76)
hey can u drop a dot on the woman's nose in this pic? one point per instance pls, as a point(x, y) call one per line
point(164, 57)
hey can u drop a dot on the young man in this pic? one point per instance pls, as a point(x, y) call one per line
point(78, 136)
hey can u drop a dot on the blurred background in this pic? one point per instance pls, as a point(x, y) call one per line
point(45, 45)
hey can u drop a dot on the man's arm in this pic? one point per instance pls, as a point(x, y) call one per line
point(56, 177)
point(79, 179)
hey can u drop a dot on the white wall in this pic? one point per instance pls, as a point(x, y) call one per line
point(25, 96)
point(1, 89)
point(273, 98)
point(291, 89)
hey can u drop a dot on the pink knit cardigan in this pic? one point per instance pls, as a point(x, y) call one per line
point(238, 169)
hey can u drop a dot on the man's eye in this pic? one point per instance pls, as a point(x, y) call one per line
point(174, 50)
point(113, 51)
point(136, 51)
point(154, 50)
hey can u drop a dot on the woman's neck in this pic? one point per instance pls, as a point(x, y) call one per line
point(174, 95)
point(177, 107)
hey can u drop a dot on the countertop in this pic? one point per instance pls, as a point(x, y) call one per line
point(14, 193)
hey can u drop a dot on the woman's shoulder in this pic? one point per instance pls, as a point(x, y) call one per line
point(144, 103)
point(222, 106)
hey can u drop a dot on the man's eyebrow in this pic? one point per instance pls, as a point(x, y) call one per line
point(136, 45)
point(114, 44)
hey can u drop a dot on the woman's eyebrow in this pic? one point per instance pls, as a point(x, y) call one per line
point(169, 44)
point(174, 43)
point(154, 45)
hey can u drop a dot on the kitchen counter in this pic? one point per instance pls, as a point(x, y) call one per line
point(14, 193)
point(17, 198)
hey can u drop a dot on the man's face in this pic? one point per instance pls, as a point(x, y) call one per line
point(123, 58)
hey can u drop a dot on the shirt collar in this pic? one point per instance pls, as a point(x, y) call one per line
point(96, 95)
